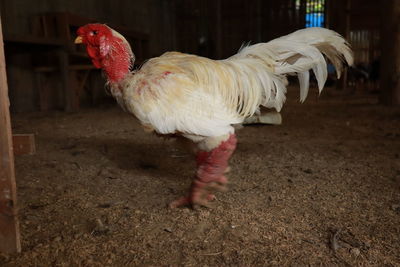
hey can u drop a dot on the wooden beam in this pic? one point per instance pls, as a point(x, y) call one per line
point(24, 144)
point(9, 226)
point(390, 58)
point(70, 67)
point(33, 40)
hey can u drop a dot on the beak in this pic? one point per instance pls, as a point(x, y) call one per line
point(78, 40)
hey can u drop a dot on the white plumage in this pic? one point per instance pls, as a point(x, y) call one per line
point(192, 95)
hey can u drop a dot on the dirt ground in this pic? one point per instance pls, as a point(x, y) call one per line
point(323, 188)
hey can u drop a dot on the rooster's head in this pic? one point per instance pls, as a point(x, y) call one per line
point(107, 48)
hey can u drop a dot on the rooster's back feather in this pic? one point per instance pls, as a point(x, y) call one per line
point(195, 95)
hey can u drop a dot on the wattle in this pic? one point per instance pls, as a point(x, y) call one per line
point(115, 63)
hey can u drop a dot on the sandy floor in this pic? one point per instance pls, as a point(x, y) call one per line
point(321, 189)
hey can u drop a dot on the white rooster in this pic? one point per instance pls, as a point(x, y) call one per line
point(200, 98)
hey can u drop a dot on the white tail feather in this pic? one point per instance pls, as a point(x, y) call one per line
point(295, 54)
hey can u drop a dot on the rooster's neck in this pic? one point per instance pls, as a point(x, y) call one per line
point(116, 57)
point(117, 66)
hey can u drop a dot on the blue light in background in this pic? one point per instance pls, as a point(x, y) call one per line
point(315, 19)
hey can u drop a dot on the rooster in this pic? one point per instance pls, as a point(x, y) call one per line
point(201, 99)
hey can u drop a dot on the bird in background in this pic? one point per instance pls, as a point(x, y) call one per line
point(202, 99)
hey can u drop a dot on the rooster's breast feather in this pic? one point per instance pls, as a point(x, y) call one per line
point(171, 94)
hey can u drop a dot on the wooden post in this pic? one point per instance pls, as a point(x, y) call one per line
point(258, 21)
point(390, 58)
point(339, 19)
point(347, 37)
point(69, 97)
point(218, 37)
point(9, 226)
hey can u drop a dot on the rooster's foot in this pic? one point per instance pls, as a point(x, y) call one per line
point(201, 193)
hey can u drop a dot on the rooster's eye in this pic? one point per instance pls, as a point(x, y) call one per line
point(93, 33)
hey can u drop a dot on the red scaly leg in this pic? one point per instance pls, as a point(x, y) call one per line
point(211, 166)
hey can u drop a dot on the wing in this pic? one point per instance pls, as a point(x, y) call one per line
point(173, 103)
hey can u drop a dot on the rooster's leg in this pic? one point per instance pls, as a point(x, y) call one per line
point(211, 166)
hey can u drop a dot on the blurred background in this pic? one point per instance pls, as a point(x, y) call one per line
point(47, 71)
point(321, 189)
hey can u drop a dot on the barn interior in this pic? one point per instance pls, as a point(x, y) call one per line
point(81, 183)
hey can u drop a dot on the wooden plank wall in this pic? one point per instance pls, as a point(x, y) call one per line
point(143, 16)
point(365, 30)
point(213, 28)
point(155, 17)
point(283, 17)
point(132, 13)
point(359, 21)
point(217, 28)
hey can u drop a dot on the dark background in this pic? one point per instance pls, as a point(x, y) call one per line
point(215, 29)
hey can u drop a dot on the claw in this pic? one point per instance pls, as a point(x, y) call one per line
point(195, 204)
point(201, 194)
point(183, 201)
point(228, 169)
